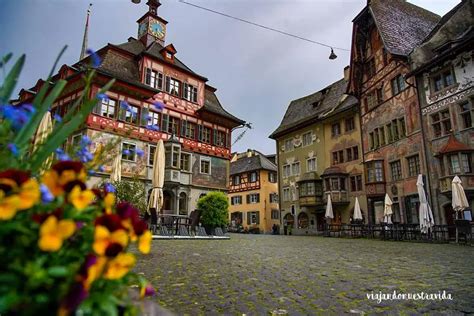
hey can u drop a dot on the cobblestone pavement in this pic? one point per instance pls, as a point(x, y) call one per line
point(256, 274)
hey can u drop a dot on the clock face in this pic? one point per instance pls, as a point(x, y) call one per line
point(157, 29)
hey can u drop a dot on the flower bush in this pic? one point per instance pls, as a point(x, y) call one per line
point(64, 247)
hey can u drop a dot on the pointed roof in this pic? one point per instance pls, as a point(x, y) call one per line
point(453, 145)
point(213, 105)
point(402, 25)
point(315, 106)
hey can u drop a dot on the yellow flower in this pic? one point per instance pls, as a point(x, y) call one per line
point(144, 242)
point(29, 194)
point(8, 206)
point(81, 199)
point(109, 202)
point(51, 179)
point(54, 232)
point(119, 266)
point(94, 271)
point(103, 238)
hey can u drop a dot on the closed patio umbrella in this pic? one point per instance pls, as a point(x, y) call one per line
point(156, 196)
point(116, 174)
point(329, 213)
point(357, 211)
point(387, 211)
point(459, 201)
point(45, 128)
point(426, 215)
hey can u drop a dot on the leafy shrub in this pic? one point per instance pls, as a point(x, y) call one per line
point(132, 191)
point(214, 208)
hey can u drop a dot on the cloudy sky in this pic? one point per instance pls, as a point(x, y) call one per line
point(257, 72)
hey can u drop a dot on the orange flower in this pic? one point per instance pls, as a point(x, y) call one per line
point(109, 202)
point(54, 232)
point(95, 271)
point(81, 199)
point(144, 242)
point(119, 266)
point(29, 194)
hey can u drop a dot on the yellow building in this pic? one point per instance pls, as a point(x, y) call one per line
point(319, 154)
point(253, 192)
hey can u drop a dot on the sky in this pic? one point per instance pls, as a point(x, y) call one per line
point(256, 72)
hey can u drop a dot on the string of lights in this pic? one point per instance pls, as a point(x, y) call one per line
point(263, 26)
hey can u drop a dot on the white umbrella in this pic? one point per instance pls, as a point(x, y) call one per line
point(329, 213)
point(357, 212)
point(459, 196)
point(156, 196)
point(387, 211)
point(426, 215)
point(116, 174)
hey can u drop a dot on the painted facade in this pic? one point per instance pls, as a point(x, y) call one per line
point(392, 142)
point(444, 70)
point(253, 193)
point(193, 124)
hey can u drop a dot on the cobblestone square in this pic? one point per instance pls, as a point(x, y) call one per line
point(256, 274)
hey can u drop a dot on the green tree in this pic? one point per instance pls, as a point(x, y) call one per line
point(214, 208)
point(132, 191)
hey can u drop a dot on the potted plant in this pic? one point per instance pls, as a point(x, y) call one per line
point(214, 208)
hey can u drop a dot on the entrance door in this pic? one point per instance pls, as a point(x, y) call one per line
point(320, 221)
point(168, 203)
point(449, 214)
point(378, 211)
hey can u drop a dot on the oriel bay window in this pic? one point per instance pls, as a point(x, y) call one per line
point(310, 189)
point(185, 161)
point(460, 163)
point(335, 184)
point(441, 123)
point(176, 151)
point(173, 86)
point(375, 171)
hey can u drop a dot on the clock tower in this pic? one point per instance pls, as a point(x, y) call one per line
point(151, 27)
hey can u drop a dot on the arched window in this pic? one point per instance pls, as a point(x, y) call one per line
point(183, 204)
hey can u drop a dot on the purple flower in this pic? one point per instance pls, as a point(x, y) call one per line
point(158, 106)
point(95, 58)
point(13, 149)
point(140, 152)
point(126, 152)
point(77, 293)
point(46, 195)
point(59, 151)
point(153, 128)
point(85, 141)
point(58, 118)
point(17, 115)
point(149, 290)
point(109, 188)
point(90, 172)
point(79, 225)
point(103, 97)
point(124, 105)
point(63, 157)
point(101, 168)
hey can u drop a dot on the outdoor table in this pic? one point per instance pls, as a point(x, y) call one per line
point(174, 221)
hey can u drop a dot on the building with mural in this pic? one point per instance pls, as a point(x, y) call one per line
point(384, 33)
point(319, 155)
point(194, 125)
point(253, 192)
point(444, 70)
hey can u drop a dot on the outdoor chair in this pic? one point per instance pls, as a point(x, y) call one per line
point(200, 231)
point(464, 229)
point(164, 231)
point(218, 231)
point(183, 231)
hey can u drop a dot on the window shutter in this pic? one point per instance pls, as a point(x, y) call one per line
point(160, 81)
point(122, 112)
point(214, 136)
point(228, 139)
point(248, 198)
point(185, 90)
point(97, 108)
point(144, 117)
point(258, 217)
point(258, 197)
point(165, 122)
point(168, 83)
point(183, 127)
point(195, 91)
point(232, 201)
point(148, 76)
point(200, 133)
point(249, 216)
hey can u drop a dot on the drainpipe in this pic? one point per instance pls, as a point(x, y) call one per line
point(423, 145)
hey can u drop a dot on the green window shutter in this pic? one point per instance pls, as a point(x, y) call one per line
point(185, 90)
point(228, 139)
point(164, 123)
point(144, 117)
point(183, 128)
point(168, 83)
point(200, 133)
point(195, 92)
point(248, 198)
point(249, 216)
point(258, 197)
point(214, 136)
point(258, 217)
point(97, 108)
point(148, 76)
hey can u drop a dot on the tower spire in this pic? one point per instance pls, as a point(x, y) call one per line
point(86, 32)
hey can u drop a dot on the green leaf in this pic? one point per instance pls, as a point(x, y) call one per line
point(11, 80)
point(56, 61)
point(5, 59)
point(58, 271)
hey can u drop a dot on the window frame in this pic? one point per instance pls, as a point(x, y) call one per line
point(396, 166)
point(410, 167)
point(464, 112)
point(308, 163)
point(182, 154)
point(205, 159)
point(150, 155)
point(134, 151)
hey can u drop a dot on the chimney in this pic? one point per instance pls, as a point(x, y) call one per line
point(347, 71)
point(249, 153)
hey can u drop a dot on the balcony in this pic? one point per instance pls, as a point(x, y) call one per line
point(375, 188)
point(445, 183)
point(337, 197)
point(310, 200)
